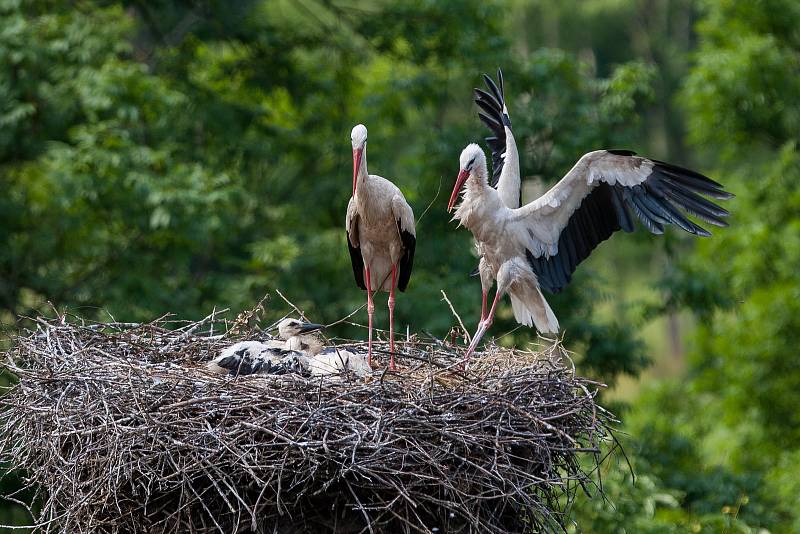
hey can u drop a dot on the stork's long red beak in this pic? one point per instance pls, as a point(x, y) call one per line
point(462, 177)
point(357, 154)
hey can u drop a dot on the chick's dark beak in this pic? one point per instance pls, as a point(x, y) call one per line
point(306, 328)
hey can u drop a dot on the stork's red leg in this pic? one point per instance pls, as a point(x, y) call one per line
point(391, 318)
point(483, 303)
point(370, 312)
point(483, 326)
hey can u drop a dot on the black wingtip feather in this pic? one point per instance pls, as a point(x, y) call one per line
point(693, 180)
point(491, 104)
point(495, 90)
point(500, 81)
point(490, 122)
point(620, 152)
point(656, 201)
point(357, 261)
point(406, 262)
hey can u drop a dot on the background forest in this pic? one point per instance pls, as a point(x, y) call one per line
point(173, 156)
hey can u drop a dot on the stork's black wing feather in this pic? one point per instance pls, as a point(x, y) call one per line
point(492, 115)
point(358, 263)
point(607, 208)
point(593, 222)
point(407, 259)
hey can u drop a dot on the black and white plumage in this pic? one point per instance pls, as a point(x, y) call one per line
point(300, 336)
point(540, 244)
point(381, 237)
point(493, 113)
point(254, 357)
point(505, 176)
point(286, 355)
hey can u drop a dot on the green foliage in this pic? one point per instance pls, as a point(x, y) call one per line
point(178, 156)
point(745, 88)
point(734, 426)
point(643, 505)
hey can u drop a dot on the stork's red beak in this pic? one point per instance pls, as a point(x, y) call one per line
point(357, 154)
point(462, 177)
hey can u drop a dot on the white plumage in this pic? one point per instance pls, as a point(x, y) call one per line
point(298, 351)
point(505, 158)
point(332, 361)
point(273, 356)
point(539, 245)
point(380, 234)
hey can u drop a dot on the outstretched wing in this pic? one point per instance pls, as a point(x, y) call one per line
point(408, 236)
point(595, 199)
point(505, 159)
point(353, 244)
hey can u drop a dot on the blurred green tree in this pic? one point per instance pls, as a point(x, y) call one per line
point(732, 433)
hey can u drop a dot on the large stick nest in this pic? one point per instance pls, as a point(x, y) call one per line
point(119, 428)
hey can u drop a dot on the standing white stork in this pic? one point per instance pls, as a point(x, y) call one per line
point(505, 162)
point(539, 245)
point(380, 235)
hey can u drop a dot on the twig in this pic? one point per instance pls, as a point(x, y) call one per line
point(458, 317)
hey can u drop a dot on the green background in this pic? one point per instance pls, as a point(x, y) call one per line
point(176, 156)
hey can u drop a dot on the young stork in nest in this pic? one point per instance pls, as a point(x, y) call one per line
point(380, 235)
point(539, 245)
point(298, 342)
point(335, 360)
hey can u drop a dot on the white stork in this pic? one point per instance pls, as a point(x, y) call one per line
point(380, 235)
point(273, 356)
point(505, 162)
point(539, 245)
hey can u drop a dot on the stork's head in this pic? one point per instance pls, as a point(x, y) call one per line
point(472, 163)
point(289, 328)
point(358, 138)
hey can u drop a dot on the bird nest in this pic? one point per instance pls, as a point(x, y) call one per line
point(120, 428)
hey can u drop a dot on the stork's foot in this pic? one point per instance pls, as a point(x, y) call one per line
point(483, 326)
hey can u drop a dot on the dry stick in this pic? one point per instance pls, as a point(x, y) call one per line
point(458, 317)
point(192, 329)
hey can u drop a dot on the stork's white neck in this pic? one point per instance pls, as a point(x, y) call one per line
point(478, 203)
point(508, 185)
point(363, 173)
point(305, 343)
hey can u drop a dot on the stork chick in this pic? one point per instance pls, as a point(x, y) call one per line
point(273, 356)
point(300, 336)
point(333, 361)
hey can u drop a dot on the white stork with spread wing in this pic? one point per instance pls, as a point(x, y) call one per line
point(539, 245)
point(380, 235)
